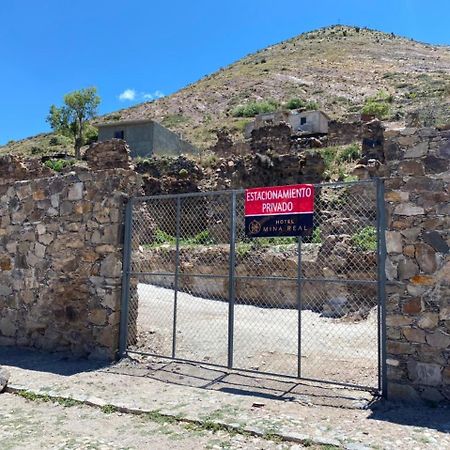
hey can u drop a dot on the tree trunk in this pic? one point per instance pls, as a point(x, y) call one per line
point(79, 139)
point(77, 148)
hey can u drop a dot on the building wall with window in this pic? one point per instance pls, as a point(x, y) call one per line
point(309, 122)
point(145, 138)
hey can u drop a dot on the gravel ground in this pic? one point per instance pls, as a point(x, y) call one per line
point(45, 425)
point(265, 339)
point(196, 394)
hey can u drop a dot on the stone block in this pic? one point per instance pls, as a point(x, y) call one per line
point(413, 306)
point(411, 168)
point(407, 268)
point(435, 165)
point(435, 240)
point(432, 395)
point(426, 258)
point(414, 335)
point(75, 192)
point(428, 321)
point(446, 375)
point(439, 340)
point(393, 242)
point(411, 234)
point(408, 209)
point(398, 320)
point(426, 374)
point(399, 348)
point(402, 392)
point(423, 280)
point(111, 266)
point(396, 196)
point(417, 151)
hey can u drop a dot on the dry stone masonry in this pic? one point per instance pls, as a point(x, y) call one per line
point(60, 261)
point(418, 264)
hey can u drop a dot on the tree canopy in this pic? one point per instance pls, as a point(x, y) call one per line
point(72, 118)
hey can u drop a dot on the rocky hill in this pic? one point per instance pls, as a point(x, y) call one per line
point(339, 69)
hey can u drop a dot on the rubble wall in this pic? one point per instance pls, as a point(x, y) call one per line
point(418, 264)
point(60, 261)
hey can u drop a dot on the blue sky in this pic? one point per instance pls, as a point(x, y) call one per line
point(144, 49)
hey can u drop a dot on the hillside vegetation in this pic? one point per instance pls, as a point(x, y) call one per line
point(342, 70)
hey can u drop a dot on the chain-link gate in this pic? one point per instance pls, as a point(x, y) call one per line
point(197, 289)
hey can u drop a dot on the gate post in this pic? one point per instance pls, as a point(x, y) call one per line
point(381, 287)
point(177, 276)
point(299, 307)
point(232, 280)
point(126, 267)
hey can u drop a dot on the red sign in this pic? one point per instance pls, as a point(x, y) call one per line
point(279, 211)
point(279, 200)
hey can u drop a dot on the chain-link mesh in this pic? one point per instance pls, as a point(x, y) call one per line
point(200, 290)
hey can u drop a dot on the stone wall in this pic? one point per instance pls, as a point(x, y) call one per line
point(344, 133)
point(418, 264)
point(60, 261)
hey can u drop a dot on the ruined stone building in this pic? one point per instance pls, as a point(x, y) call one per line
point(301, 122)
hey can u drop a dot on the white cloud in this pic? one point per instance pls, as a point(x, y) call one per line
point(128, 94)
point(132, 95)
point(152, 95)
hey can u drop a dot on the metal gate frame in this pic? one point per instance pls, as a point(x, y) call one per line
point(381, 284)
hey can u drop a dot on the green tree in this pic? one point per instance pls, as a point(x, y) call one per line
point(72, 118)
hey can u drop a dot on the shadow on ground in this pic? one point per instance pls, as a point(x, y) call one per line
point(57, 363)
point(263, 388)
point(238, 383)
point(436, 418)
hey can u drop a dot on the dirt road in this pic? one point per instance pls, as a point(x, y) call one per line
point(41, 425)
point(265, 339)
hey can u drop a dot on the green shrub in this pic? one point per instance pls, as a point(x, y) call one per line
point(36, 150)
point(314, 238)
point(312, 105)
point(59, 164)
point(349, 154)
point(90, 135)
point(160, 237)
point(378, 109)
point(295, 103)
point(54, 140)
point(254, 108)
point(329, 155)
point(209, 160)
point(378, 105)
point(365, 239)
point(202, 238)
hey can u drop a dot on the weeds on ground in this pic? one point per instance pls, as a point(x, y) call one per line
point(63, 401)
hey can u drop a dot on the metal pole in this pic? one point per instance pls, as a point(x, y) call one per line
point(232, 281)
point(381, 288)
point(299, 307)
point(177, 267)
point(126, 269)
